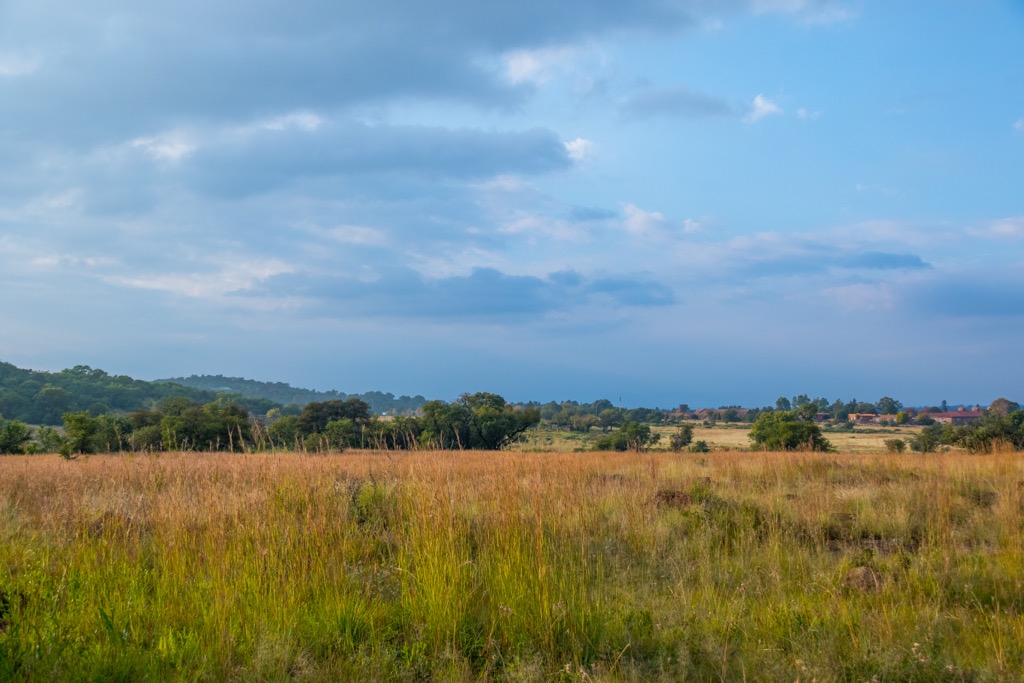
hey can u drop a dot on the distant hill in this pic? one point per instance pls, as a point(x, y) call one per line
point(279, 392)
point(39, 397)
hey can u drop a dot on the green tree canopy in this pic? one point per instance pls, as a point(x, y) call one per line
point(317, 415)
point(783, 430)
point(482, 421)
point(631, 436)
point(888, 406)
point(14, 435)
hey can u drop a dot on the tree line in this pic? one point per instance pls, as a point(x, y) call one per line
point(293, 398)
point(43, 398)
point(481, 421)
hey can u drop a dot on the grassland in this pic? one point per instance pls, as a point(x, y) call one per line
point(512, 566)
point(721, 437)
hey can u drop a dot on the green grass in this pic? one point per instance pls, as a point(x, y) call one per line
point(508, 566)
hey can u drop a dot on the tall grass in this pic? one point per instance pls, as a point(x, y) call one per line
point(484, 566)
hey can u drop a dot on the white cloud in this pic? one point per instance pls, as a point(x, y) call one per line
point(862, 296)
point(580, 149)
point(1019, 124)
point(17, 65)
point(878, 189)
point(1004, 228)
point(537, 66)
point(302, 120)
point(808, 11)
point(238, 274)
point(691, 226)
point(641, 222)
point(355, 234)
point(164, 148)
point(712, 25)
point(760, 108)
point(538, 225)
point(808, 114)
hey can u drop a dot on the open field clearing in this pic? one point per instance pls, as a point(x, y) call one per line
point(723, 436)
point(510, 566)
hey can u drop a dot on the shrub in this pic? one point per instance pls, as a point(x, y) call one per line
point(895, 445)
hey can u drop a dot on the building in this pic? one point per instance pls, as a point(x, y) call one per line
point(957, 417)
point(870, 418)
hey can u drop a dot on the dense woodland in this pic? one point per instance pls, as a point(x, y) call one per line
point(381, 403)
point(44, 397)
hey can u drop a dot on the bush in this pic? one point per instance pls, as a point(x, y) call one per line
point(699, 447)
point(895, 445)
point(928, 440)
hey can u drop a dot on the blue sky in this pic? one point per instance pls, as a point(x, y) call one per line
point(653, 201)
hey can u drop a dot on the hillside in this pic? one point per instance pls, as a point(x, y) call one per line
point(38, 397)
point(280, 392)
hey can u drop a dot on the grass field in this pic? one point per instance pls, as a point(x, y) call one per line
point(723, 437)
point(512, 566)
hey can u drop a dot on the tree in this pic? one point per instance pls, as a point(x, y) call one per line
point(445, 425)
point(611, 417)
point(13, 436)
point(215, 426)
point(888, 406)
point(928, 440)
point(315, 416)
point(1002, 406)
point(341, 434)
point(807, 411)
point(80, 429)
point(50, 440)
point(583, 423)
point(482, 421)
point(839, 411)
point(284, 432)
point(993, 432)
point(785, 431)
point(682, 438)
point(494, 423)
point(52, 402)
point(631, 436)
point(782, 403)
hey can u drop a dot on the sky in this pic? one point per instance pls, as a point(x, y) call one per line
point(650, 201)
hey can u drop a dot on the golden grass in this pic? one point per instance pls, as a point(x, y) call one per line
point(512, 566)
point(721, 437)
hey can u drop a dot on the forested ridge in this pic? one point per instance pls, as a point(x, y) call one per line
point(38, 397)
point(381, 403)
